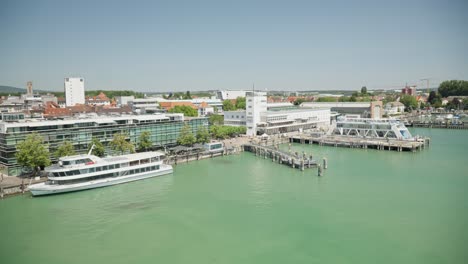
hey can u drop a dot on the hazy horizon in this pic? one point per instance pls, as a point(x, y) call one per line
point(174, 46)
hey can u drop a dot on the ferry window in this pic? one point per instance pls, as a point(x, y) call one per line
point(154, 159)
point(157, 167)
point(133, 163)
point(98, 169)
point(148, 168)
point(66, 162)
point(83, 171)
point(137, 171)
point(143, 161)
point(111, 167)
point(132, 172)
point(91, 169)
point(104, 168)
point(117, 166)
point(62, 173)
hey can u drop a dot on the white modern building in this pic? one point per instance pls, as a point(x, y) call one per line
point(123, 100)
point(235, 118)
point(145, 105)
point(255, 106)
point(259, 119)
point(230, 95)
point(74, 91)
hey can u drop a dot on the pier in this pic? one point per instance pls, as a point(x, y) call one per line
point(446, 125)
point(364, 143)
point(294, 160)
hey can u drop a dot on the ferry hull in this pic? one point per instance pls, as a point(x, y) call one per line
point(44, 189)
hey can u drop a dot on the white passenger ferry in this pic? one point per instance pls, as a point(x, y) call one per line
point(371, 128)
point(81, 172)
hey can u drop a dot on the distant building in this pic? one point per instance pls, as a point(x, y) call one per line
point(235, 118)
point(145, 105)
point(394, 108)
point(230, 95)
point(363, 109)
point(123, 100)
point(168, 105)
point(29, 88)
point(74, 91)
point(204, 109)
point(261, 118)
point(100, 99)
point(409, 90)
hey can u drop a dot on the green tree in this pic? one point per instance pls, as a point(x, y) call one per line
point(299, 101)
point(119, 143)
point(216, 119)
point(186, 136)
point(203, 136)
point(240, 102)
point(98, 149)
point(422, 105)
point(453, 88)
point(327, 99)
point(187, 96)
point(184, 109)
point(144, 141)
point(65, 149)
point(228, 105)
point(32, 153)
point(364, 90)
point(409, 101)
point(435, 99)
point(222, 132)
point(344, 99)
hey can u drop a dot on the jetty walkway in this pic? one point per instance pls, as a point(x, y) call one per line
point(294, 160)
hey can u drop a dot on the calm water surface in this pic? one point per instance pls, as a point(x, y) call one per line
point(370, 207)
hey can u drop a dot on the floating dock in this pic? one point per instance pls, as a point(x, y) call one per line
point(364, 143)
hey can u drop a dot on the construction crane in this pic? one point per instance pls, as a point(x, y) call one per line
point(427, 81)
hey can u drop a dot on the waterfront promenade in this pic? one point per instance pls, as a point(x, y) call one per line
point(10, 185)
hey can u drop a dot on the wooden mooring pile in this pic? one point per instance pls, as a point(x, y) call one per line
point(294, 160)
point(365, 143)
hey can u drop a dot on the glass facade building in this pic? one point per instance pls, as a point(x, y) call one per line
point(164, 130)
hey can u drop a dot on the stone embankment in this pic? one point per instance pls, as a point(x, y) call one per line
point(10, 185)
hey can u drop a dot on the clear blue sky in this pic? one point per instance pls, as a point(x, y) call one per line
point(199, 45)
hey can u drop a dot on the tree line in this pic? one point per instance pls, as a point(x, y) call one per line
point(33, 153)
point(240, 103)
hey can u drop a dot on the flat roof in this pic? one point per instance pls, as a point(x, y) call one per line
point(85, 119)
point(301, 110)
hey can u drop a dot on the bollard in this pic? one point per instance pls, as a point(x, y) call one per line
point(325, 163)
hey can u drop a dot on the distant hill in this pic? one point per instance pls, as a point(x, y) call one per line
point(10, 89)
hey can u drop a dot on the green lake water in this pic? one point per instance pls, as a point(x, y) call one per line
point(369, 207)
